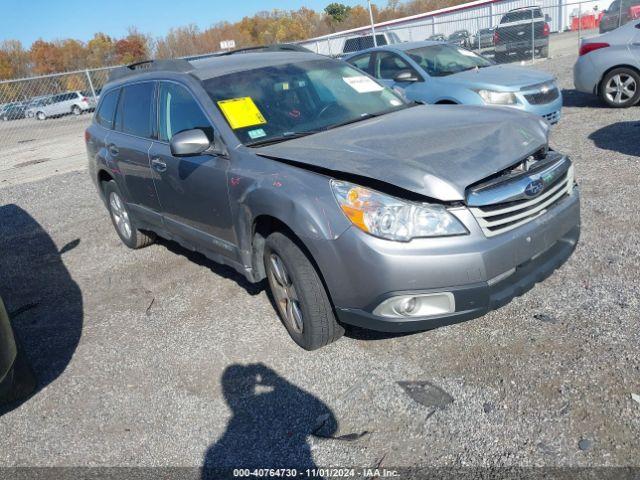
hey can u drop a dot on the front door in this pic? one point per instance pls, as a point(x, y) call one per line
point(387, 65)
point(192, 190)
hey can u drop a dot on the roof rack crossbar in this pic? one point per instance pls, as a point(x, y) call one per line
point(177, 65)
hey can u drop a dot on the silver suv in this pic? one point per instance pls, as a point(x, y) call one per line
point(356, 207)
point(63, 104)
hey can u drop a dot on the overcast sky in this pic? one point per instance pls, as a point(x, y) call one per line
point(28, 20)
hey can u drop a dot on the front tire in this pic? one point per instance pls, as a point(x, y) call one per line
point(76, 110)
point(122, 220)
point(41, 116)
point(299, 294)
point(620, 88)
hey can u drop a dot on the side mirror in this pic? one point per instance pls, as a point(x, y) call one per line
point(405, 76)
point(189, 142)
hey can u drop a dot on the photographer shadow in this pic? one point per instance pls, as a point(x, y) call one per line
point(272, 419)
point(43, 301)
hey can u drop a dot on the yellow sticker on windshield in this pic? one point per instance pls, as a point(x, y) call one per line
point(241, 112)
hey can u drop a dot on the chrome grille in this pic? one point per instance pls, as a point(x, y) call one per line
point(542, 97)
point(499, 218)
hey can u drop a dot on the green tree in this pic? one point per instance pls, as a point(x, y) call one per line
point(336, 13)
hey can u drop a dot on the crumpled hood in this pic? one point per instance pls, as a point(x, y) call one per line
point(499, 77)
point(432, 150)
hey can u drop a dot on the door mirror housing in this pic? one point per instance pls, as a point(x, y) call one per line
point(189, 142)
point(405, 76)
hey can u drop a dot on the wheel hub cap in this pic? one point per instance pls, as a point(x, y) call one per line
point(120, 215)
point(285, 293)
point(620, 88)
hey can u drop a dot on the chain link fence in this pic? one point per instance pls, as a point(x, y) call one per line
point(507, 32)
point(42, 119)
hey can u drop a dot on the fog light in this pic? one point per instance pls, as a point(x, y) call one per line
point(423, 305)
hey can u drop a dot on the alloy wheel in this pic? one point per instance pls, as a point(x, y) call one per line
point(285, 293)
point(620, 88)
point(120, 215)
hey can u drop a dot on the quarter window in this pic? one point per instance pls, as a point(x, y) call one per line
point(179, 112)
point(107, 108)
point(134, 110)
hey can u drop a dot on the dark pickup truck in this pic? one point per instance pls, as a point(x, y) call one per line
point(520, 32)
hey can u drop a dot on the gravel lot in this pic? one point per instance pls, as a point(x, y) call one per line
point(150, 357)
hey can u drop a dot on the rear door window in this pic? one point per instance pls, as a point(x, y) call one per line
point(134, 115)
point(107, 109)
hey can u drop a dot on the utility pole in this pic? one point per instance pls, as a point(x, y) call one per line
point(373, 28)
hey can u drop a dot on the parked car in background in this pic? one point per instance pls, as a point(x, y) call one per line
point(619, 13)
point(483, 38)
point(609, 66)
point(301, 170)
point(437, 37)
point(362, 42)
point(461, 38)
point(34, 104)
point(441, 73)
point(75, 103)
point(520, 31)
point(13, 111)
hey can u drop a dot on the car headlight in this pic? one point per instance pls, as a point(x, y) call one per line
point(392, 218)
point(498, 98)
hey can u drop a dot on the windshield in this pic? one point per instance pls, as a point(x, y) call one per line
point(442, 60)
point(455, 35)
point(287, 100)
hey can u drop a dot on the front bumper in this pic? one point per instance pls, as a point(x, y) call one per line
point(370, 270)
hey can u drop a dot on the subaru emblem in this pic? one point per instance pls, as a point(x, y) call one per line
point(534, 188)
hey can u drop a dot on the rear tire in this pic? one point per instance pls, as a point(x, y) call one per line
point(544, 52)
point(122, 220)
point(76, 110)
point(299, 294)
point(620, 88)
point(41, 116)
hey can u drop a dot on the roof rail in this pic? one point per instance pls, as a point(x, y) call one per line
point(278, 47)
point(179, 65)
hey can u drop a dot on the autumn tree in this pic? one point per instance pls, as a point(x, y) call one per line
point(132, 48)
point(101, 51)
point(45, 58)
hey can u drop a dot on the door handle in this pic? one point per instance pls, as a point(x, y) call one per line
point(158, 165)
point(113, 150)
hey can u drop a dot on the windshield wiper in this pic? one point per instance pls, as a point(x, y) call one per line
point(281, 138)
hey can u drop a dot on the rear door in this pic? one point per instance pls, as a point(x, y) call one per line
point(192, 190)
point(129, 144)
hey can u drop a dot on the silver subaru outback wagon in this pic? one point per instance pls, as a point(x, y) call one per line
point(357, 207)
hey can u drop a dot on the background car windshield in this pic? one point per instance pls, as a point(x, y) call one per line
point(441, 60)
point(282, 100)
